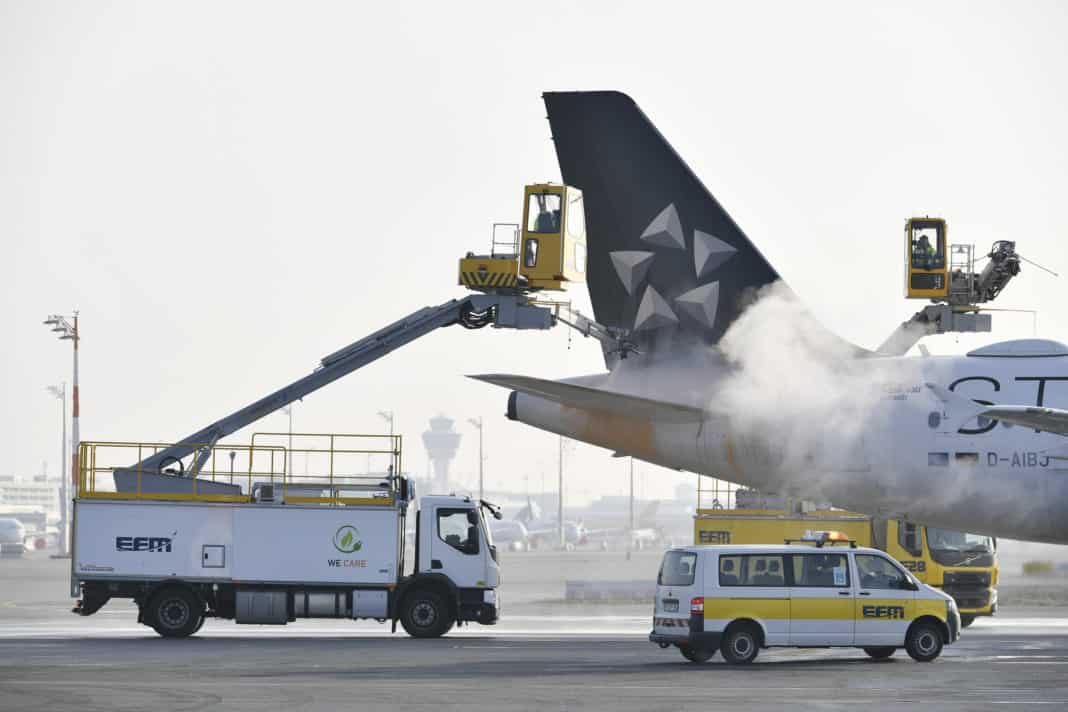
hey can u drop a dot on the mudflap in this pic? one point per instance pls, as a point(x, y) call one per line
point(92, 600)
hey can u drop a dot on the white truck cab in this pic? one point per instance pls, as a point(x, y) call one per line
point(739, 599)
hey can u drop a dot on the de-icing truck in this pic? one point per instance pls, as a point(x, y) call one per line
point(188, 535)
point(257, 544)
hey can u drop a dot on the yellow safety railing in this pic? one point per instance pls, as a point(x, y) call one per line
point(335, 469)
point(336, 474)
point(714, 493)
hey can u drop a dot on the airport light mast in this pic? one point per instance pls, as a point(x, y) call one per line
point(288, 411)
point(560, 499)
point(477, 422)
point(630, 517)
point(69, 332)
point(388, 416)
point(60, 392)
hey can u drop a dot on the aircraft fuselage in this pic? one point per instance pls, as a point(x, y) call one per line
point(885, 445)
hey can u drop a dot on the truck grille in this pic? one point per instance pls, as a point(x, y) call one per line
point(969, 597)
point(979, 579)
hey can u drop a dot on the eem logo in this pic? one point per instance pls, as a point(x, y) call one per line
point(884, 611)
point(158, 544)
point(714, 537)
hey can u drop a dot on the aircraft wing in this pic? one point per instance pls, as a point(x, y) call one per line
point(1049, 420)
point(587, 398)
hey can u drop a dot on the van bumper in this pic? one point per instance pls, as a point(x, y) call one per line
point(694, 640)
point(953, 624)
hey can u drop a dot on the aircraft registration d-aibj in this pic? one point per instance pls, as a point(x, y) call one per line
point(729, 377)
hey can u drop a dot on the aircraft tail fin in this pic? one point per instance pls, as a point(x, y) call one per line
point(665, 258)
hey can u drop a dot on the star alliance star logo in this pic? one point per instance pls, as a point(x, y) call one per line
point(699, 304)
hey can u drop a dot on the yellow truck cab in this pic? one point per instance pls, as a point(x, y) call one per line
point(963, 565)
point(739, 599)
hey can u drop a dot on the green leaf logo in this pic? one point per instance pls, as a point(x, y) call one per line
point(347, 539)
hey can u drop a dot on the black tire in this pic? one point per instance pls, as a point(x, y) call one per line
point(200, 625)
point(696, 655)
point(174, 612)
point(740, 644)
point(424, 614)
point(966, 621)
point(924, 642)
point(880, 653)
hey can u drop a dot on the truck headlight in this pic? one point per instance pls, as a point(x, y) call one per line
point(489, 597)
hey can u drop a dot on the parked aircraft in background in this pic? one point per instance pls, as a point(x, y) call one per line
point(731, 379)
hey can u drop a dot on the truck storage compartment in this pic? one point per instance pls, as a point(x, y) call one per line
point(263, 607)
point(320, 604)
point(370, 604)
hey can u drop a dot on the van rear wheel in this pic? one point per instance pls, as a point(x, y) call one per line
point(879, 653)
point(966, 621)
point(696, 655)
point(740, 645)
point(924, 642)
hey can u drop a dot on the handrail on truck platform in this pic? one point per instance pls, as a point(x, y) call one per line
point(336, 470)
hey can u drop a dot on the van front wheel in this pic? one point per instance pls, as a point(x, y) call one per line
point(696, 655)
point(924, 642)
point(740, 644)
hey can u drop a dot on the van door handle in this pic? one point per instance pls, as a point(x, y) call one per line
point(435, 564)
point(864, 593)
point(843, 593)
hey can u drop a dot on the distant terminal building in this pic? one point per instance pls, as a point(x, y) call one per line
point(25, 493)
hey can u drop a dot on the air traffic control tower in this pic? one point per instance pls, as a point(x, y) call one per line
point(441, 443)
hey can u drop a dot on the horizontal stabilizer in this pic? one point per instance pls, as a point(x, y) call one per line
point(960, 410)
point(1048, 420)
point(587, 398)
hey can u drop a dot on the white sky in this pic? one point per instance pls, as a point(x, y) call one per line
point(230, 191)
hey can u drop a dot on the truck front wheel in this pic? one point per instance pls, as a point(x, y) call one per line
point(425, 615)
point(174, 612)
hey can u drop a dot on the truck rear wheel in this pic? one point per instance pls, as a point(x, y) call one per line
point(174, 612)
point(425, 615)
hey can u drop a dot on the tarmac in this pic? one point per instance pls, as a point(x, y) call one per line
point(543, 655)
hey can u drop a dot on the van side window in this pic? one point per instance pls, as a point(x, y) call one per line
point(826, 570)
point(877, 572)
point(729, 567)
point(752, 570)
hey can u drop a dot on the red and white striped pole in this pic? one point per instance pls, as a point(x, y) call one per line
point(75, 440)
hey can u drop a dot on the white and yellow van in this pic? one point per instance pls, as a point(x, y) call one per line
point(738, 599)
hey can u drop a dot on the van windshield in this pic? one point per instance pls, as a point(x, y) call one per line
point(677, 569)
